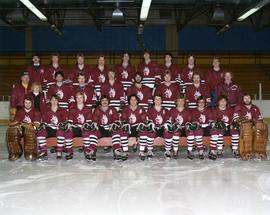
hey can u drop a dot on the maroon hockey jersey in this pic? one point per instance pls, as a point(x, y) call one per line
point(89, 94)
point(214, 78)
point(158, 117)
point(53, 119)
point(226, 115)
point(173, 69)
point(181, 118)
point(133, 117)
point(75, 71)
point(192, 93)
point(250, 113)
point(105, 118)
point(27, 116)
point(36, 73)
point(79, 117)
point(50, 71)
point(150, 73)
point(232, 91)
point(204, 117)
point(125, 75)
point(17, 95)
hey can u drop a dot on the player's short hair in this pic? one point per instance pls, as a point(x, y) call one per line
point(216, 58)
point(79, 54)
point(104, 97)
point(135, 96)
point(59, 73)
point(54, 97)
point(230, 72)
point(246, 94)
point(27, 98)
point(200, 98)
point(157, 95)
point(146, 51)
point(55, 54)
point(222, 97)
point(36, 55)
point(36, 84)
point(169, 54)
point(80, 74)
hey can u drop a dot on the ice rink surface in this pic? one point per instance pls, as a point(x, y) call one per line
point(224, 187)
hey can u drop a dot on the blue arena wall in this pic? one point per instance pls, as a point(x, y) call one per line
point(87, 38)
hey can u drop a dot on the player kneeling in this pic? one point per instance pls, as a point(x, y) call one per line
point(107, 120)
point(25, 124)
point(132, 119)
point(53, 121)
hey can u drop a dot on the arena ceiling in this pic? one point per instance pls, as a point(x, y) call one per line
point(217, 13)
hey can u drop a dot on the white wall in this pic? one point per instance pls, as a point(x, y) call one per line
point(264, 105)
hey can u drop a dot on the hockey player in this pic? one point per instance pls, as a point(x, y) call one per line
point(62, 90)
point(149, 69)
point(113, 89)
point(36, 70)
point(195, 90)
point(125, 71)
point(80, 68)
point(107, 120)
point(169, 90)
point(143, 92)
point(132, 117)
point(230, 89)
point(157, 120)
point(53, 120)
point(223, 117)
point(170, 67)
point(87, 90)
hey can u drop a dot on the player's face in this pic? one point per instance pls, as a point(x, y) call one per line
point(180, 103)
point(81, 80)
point(101, 61)
point(222, 103)
point(191, 60)
point(25, 79)
point(157, 100)
point(196, 79)
point(125, 57)
point(27, 104)
point(228, 77)
point(138, 79)
point(111, 75)
point(59, 78)
point(79, 99)
point(55, 59)
point(104, 102)
point(80, 60)
point(35, 59)
point(146, 56)
point(54, 102)
point(201, 104)
point(247, 100)
point(133, 101)
point(167, 77)
point(168, 59)
point(216, 63)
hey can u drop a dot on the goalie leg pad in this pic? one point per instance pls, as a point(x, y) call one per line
point(246, 139)
point(260, 140)
point(13, 143)
point(30, 143)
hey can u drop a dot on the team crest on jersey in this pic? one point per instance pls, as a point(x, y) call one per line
point(140, 95)
point(202, 118)
point(80, 118)
point(54, 120)
point(159, 119)
point(42, 71)
point(168, 93)
point(132, 118)
point(101, 78)
point(190, 73)
point(104, 120)
point(60, 94)
point(225, 118)
point(179, 119)
point(112, 93)
point(124, 74)
point(197, 94)
point(248, 115)
point(110, 112)
point(27, 119)
point(146, 71)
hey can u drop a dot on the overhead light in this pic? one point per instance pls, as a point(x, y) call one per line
point(218, 15)
point(145, 9)
point(32, 7)
point(252, 10)
point(118, 18)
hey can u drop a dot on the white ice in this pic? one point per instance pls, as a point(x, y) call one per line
point(224, 187)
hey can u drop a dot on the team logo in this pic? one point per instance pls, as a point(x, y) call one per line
point(60, 94)
point(140, 95)
point(146, 71)
point(101, 78)
point(42, 71)
point(179, 119)
point(54, 120)
point(202, 118)
point(225, 118)
point(248, 115)
point(104, 120)
point(132, 118)
point(27, 119)
point(158, 119)
point(190, 73)
point(197, 94)
point(80, 118)
point(110, 112)
point(111, 93)
point(124, 74)
point(168, 93)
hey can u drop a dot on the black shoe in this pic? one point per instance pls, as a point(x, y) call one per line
point(190, 155)
point(107, 149)
point(142, 156)
point(69, 156)
point(124, 156)
point(212, 155)
point(167, 155)
point(219, 153)
point(91, 156)
point(53, 150)
point(235, 153)
point(117, 154)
